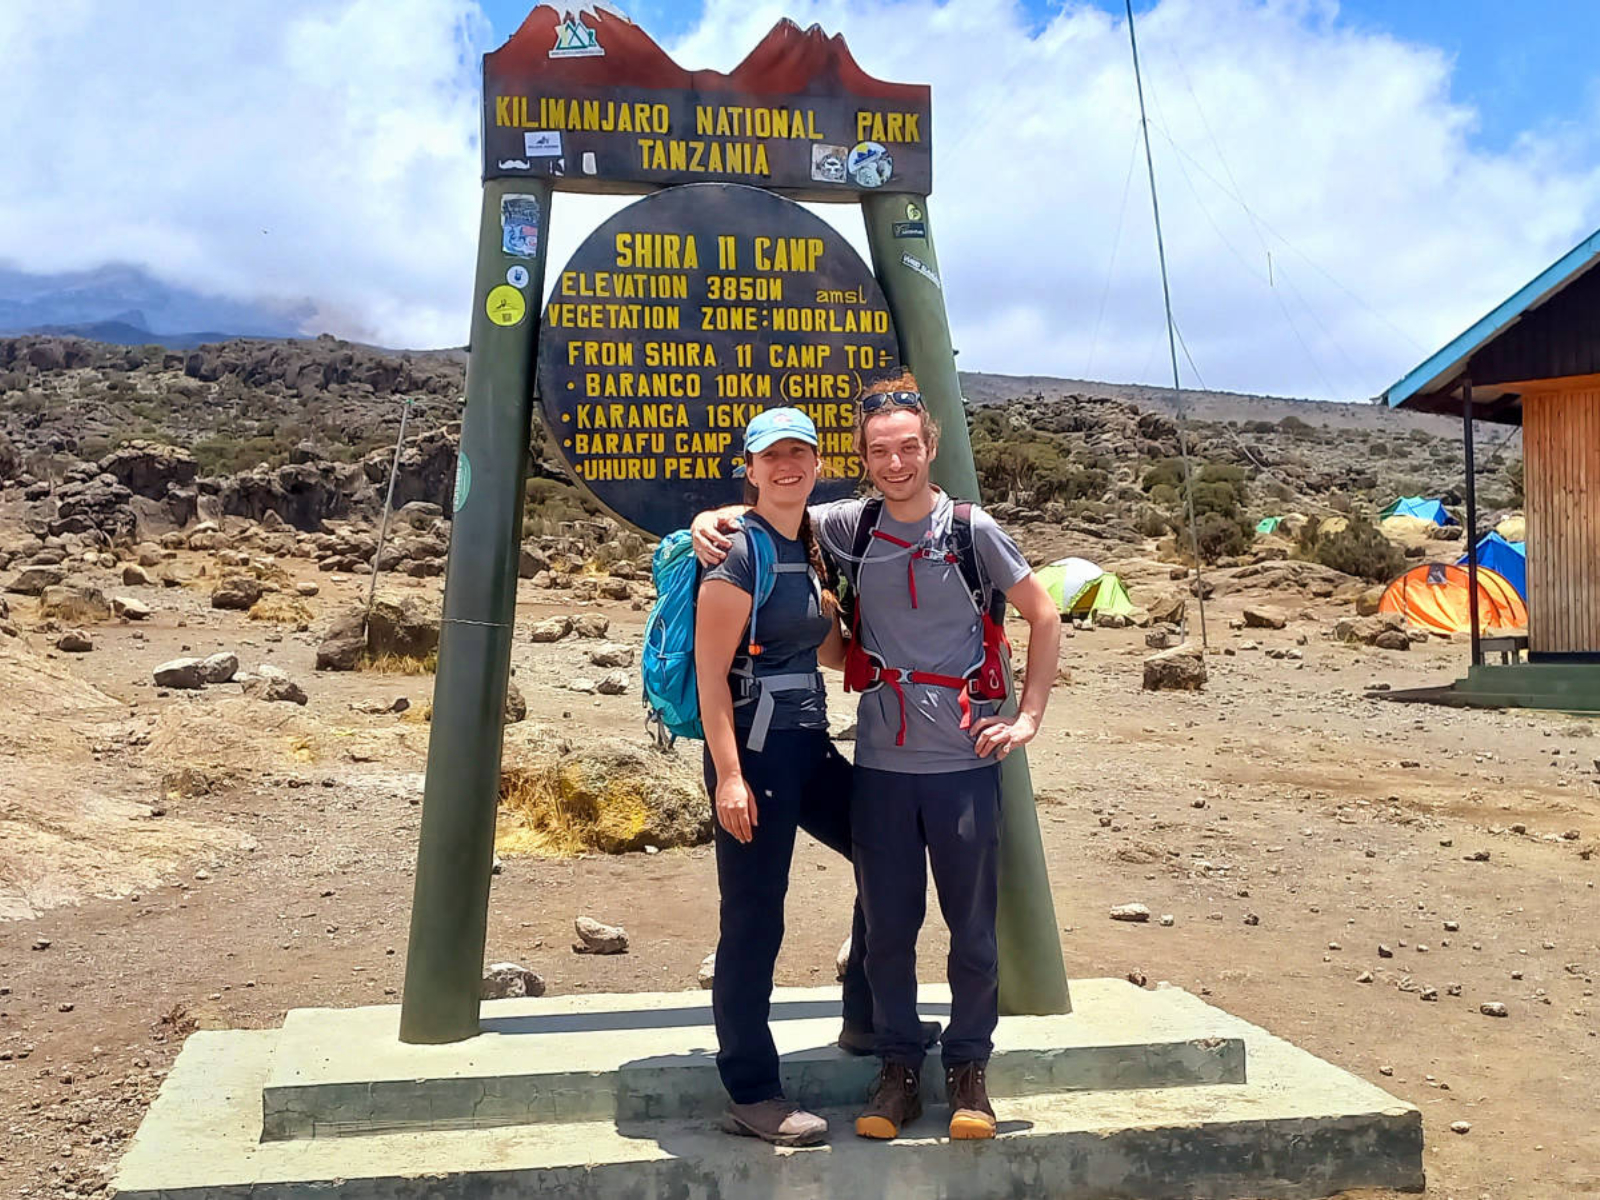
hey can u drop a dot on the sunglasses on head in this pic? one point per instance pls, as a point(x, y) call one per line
point(872, 403)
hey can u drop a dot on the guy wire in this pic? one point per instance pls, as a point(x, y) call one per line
point(1172, 341)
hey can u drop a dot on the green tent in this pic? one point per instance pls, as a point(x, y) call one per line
point(1268, 524)
point(1082, 588)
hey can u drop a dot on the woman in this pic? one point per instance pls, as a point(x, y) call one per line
point(770, 765)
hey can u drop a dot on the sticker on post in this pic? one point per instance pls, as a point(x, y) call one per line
point(923, 269)
point(463, 482)
point(828, 163)
point(870, 164)
point(519, 225)
point(517, 276)
point(542, 143)
point(910, 229)
point(913, 213)
point(513, 164)
point(506, 305)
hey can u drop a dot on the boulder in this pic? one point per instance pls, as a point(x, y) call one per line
point(516, 704)
point(531, 562)
point(591, 625)
point(75, 641)
point(130, 609)
point(510, 981)
point(181, 673)
point(343, 644)
point(1162, 638)
point(1366, 630)
point(620, 796)
point(1368, 601)
point(407, 628)
point(219, 668)
point(612, 654)
point(237, 593)
point(1392, 639)
point(596, 938)
point(707, 974)
point(75, 603)
point(1259, 616)
point(551, 629)
point(275, 687)
point(614, 683)
point(31, 581)
point(133, 575)
point(150, 469)
point(1182, 668)
point(613, 588)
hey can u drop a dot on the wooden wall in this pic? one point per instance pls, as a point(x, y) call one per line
point(1561, 473)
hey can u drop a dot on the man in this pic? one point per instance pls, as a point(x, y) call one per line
point(929, 740)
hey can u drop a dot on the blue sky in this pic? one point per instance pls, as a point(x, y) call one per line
point(1516, 61)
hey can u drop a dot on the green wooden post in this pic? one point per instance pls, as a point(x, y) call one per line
point(450, 906)
point(1033, 978)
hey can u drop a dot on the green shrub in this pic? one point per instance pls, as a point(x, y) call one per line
point(230, 455)
point(1359, 549)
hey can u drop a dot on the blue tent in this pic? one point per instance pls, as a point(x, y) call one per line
point(1508, 559)
point(1416, 506)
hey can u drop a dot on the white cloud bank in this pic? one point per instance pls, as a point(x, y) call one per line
point(346, 131)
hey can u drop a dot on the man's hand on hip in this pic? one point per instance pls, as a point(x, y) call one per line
point(1001, 735)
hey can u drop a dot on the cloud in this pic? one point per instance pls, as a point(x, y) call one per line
point(347, 132)
point(1277, 129)
point(289, 152)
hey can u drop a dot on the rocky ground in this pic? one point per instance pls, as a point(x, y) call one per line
point(1359, 876)
point(210, 787)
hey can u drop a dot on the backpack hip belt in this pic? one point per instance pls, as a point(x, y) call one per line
point(760, 690)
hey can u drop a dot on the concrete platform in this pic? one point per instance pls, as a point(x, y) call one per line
point(1298, 1128)
point(653, 1055)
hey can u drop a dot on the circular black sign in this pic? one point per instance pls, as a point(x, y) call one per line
point(681, 318)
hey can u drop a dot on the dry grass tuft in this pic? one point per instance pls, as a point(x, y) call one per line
point(400, 664)
point(282, 609)
point(538, 815)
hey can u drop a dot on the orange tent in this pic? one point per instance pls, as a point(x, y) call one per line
point(1435, 596)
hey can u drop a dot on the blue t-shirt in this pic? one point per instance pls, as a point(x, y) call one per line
point(789, 628)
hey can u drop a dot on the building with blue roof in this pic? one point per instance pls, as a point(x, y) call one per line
point(1534, 361)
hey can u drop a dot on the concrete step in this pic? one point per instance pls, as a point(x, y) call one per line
point(1300, 1128)
point(646, 1056)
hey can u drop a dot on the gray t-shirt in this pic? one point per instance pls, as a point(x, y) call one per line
point(789, 627)
point(942, 634)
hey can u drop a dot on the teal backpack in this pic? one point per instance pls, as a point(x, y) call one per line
point(671, 696)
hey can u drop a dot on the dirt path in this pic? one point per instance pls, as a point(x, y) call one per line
point(1282, 794)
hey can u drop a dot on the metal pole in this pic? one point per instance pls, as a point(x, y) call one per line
point(1033, 978)
point(388, 504)
point(1472, 520)
point(450, 908)
point(1172, 343)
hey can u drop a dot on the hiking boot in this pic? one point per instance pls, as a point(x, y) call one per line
point(971, 1114)
point(779, 1121)
point(895, 1102)
point(862, 1042)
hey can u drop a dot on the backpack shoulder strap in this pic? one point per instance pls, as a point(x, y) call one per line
point(985, 596)
point(850, 569)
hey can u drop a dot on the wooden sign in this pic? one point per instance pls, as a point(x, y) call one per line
point(583, 97)
point(681, 318)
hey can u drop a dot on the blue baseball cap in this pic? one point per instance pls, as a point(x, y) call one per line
point(774, 425)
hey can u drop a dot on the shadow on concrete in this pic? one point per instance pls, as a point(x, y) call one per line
point(667, 1018)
